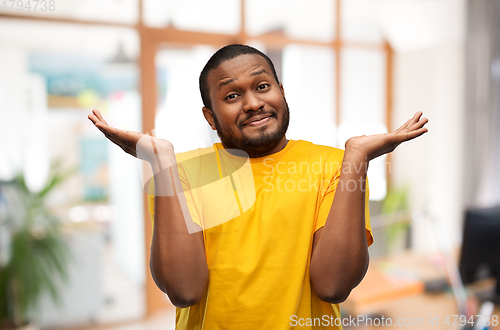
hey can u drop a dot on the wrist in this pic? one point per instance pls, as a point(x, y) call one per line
point(162, 161)
point(355, 163)
point(355, 153)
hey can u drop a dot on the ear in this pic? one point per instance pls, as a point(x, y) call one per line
point(282, 89)
point(209, 117)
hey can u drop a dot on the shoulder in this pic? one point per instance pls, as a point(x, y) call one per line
point(315, 151)
point(194, 160)
point(194, 154)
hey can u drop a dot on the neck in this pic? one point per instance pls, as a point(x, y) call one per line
point(280, 146)
point(263, 153)
point(253, 151)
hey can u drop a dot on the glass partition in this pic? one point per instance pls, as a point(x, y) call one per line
point(217, 16)
point(309, 83)
point(360, 21)
point(363, 84)
point(179, 118)
point(298, 19)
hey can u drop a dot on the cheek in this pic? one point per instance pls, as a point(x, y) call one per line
point(228, 120)
point(230, 113)
point(275, 98)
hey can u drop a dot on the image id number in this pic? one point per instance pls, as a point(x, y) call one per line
point(28, 5)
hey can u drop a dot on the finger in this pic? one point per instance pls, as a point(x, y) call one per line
point(410, 121)
point(98, 114)
point(403, 126)
point(93, 118)
point(421, 123)
point(414, 134)
point(106, 129)
point(125, 135)
point(415, 118)
point(126, 140)
point(100, 124)
point(128, 136)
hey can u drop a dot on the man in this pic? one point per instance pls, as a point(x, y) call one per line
point(284, 258)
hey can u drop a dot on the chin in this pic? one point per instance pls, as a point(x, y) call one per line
point(255, 141)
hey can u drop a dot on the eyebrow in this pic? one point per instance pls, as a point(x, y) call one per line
point(226, 82)
point(256, 73)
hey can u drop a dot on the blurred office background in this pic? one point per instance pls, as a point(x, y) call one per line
point(349, 67)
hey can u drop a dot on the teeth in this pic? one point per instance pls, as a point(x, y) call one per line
point(256, 122)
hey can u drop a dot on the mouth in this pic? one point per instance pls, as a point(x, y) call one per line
point(258, 120)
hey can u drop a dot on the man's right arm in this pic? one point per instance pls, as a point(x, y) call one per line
point(178, 263)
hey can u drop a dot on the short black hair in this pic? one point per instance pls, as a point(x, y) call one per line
point(227, 53)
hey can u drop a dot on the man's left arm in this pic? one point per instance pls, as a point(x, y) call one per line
point(340, 251)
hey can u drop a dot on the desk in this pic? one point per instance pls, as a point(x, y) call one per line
point(420, 309)
point(410, 304)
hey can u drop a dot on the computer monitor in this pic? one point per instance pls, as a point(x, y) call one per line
point(480, 255)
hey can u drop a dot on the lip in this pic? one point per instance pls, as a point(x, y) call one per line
point(258, 120)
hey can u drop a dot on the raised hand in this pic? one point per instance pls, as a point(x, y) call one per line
point(372, 146)
point(142, 146)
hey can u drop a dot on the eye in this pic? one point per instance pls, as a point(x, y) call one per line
point(263, 86)
point(231, 96)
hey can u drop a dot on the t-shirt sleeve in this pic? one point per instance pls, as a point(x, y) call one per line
point(187, 195)
point(327, 201)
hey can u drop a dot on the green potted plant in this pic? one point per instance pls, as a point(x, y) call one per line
point(37, 254)
point(395, 208)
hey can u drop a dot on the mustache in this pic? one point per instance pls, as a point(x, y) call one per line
point(259, 113)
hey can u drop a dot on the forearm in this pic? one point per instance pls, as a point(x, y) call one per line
point(178, 263)
point(340, 257)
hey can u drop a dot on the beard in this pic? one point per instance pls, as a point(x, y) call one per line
point(257, 146)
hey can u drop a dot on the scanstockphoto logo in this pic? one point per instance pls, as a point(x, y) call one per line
point(297, 176)
point(318, 176)
point(213, 185)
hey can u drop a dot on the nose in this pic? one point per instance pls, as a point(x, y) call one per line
point(252, 102)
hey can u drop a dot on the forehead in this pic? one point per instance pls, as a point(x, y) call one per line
point(238, 67)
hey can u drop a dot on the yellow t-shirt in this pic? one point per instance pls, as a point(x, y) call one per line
point(259, 216)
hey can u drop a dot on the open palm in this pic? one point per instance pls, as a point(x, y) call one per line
point(372, 146)
point(142, 146)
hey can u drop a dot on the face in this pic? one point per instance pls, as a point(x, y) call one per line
point(249, 110)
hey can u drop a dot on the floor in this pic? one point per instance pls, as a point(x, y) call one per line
point(123, 304)
point(164, 320)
